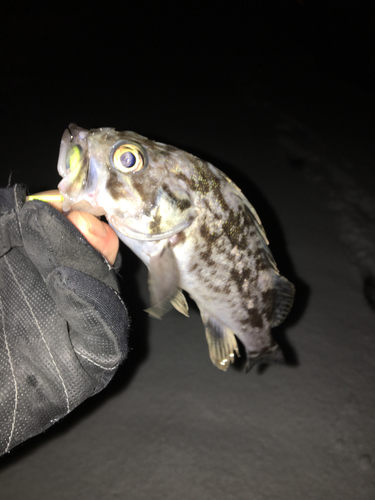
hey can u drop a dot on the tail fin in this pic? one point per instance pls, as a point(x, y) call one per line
point(270, 355)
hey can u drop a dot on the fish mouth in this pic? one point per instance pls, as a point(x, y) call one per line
point(73, 135)
point(73, 168)
point(85, 206)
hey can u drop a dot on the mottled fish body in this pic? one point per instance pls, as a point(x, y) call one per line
point(191, 226)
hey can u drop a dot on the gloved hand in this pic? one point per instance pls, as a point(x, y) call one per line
point(63, 325)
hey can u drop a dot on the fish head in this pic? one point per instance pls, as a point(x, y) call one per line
point(127, 177)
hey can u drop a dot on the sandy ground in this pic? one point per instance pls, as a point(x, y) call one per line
point(300, 143)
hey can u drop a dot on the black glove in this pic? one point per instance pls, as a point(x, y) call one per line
point(63, 325)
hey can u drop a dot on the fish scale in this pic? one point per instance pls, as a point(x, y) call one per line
point(191, 226)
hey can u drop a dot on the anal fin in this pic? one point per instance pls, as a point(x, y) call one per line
point(180, 304)
point(222, 343)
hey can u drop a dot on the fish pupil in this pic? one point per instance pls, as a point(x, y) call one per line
point(127, 159)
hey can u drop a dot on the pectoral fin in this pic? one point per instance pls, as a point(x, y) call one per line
point(222, 343)
point(163, 282)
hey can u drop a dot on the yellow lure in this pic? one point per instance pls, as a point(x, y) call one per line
point(46, 197)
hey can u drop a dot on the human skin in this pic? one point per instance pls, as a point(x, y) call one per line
point(99, 234)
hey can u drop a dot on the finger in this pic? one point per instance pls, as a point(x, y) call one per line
point(99, 234)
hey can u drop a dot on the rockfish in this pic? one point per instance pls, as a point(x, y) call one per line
point(191, 226)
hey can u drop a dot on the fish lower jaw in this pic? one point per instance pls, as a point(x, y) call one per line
point(84, 206)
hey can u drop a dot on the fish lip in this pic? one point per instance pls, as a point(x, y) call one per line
point(72, 135)
point(64, 145)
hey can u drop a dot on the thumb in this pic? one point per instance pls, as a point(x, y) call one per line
point(99, 234)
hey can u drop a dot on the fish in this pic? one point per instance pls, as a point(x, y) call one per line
point(191, 226)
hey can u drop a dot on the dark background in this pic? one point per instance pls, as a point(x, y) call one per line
point(147, 66)
point(279, 95)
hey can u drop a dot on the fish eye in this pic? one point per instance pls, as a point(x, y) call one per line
point(128, 157)
point(73, 158)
